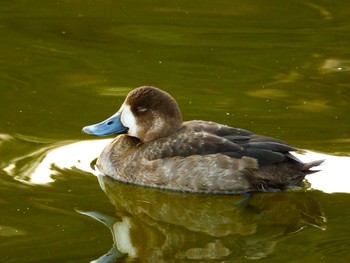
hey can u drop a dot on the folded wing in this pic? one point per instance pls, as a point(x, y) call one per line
point(204, 138)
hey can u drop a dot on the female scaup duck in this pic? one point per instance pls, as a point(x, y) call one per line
point(157, 149)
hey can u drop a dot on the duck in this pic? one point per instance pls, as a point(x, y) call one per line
point(155, 148)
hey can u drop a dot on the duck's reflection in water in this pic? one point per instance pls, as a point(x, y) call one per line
point(158, 225)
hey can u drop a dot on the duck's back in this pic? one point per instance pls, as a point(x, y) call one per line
point(204, 138)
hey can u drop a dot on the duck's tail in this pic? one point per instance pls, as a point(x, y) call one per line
point(307, 166)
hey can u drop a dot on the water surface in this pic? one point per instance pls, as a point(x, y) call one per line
point(276, 68)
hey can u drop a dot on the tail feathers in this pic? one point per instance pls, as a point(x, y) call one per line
point(307, 166)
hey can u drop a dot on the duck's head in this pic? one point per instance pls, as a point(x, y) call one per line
point(147, 114)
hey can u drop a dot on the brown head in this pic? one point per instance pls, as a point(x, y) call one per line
point(147, 114)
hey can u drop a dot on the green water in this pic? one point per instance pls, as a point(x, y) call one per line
point(280, 68)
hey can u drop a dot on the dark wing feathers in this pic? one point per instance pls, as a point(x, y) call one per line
point(271, 146)
point(203, 138)
point(265, 157)
point(186, 142)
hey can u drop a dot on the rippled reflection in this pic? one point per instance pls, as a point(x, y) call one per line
point(40, 166)
point(161, 225)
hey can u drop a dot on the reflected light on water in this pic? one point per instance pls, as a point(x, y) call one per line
point(41, 167)
point(333, 176)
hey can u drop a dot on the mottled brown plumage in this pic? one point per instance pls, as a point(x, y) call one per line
point(195, 156)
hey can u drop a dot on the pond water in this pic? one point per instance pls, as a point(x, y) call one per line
point(278, 68)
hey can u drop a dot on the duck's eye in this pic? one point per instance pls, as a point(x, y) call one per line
point(141, 109)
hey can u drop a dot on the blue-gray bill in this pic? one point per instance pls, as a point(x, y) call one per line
point(112, 125)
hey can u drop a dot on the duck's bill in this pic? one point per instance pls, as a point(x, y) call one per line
point(110, 126)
